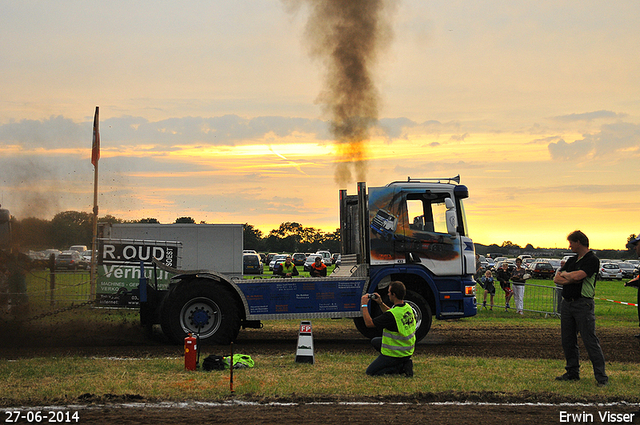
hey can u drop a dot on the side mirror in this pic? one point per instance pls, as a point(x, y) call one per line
point(450, 216)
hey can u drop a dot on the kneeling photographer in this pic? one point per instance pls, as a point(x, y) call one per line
point(398, 336)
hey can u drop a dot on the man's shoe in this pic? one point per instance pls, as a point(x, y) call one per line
point(407, 368)
point(567, 377)
point(603, 383)
point(637, 336)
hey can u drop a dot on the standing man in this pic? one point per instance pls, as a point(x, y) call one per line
point(635, 282)
point(398, 339)
point(578, 280)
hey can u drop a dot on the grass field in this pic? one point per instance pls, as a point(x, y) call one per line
point(60, 380)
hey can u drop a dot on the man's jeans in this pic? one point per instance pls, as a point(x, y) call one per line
point(385, 365)
point(578, 316)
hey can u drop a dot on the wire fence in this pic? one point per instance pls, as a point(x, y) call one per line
point(44, 290)
point(544, 299)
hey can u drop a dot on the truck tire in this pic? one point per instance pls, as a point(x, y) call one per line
point(200, 302)
point(375, 311)
point(421, 310)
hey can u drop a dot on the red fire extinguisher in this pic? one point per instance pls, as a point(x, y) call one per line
point(190, 352)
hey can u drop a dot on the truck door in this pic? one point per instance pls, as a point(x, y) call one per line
point(385, 228)
point(427, 238)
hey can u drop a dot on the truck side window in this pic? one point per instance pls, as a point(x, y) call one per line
point(416, 215)
point(426, 215)
point(439, 211)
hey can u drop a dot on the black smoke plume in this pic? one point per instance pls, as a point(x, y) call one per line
point(348, 36)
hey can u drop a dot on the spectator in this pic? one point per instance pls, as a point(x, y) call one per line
point(286, 269)
point(399, 333)
point(517, 277)
point(578, 280)
point(635, 282)
point(478, 273)
point(489, 288)
point(318, 269)
point(503, 276)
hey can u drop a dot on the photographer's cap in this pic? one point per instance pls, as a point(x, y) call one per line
point(632, 242)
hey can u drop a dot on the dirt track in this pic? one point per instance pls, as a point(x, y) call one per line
point(514, 342)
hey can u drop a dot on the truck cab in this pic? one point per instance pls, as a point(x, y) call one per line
point(416, 232)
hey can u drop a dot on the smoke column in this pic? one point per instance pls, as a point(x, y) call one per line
point(347, 36)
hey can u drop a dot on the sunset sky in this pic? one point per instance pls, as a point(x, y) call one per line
point(214, 110)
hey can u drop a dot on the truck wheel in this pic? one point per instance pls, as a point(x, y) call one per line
point(375, 311)
point(203, 306)
point(422, 311)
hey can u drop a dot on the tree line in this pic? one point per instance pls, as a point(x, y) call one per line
point(76, 228)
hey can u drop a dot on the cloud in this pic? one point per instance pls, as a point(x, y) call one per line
point(223, 130)
point(610, 141)
point(394, 128)
point(428, 168)
point(589, 116)
point(53, 132)
point(459, 137)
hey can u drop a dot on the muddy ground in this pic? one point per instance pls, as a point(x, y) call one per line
point(127, 340)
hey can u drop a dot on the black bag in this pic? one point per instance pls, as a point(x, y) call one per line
point(213, 362)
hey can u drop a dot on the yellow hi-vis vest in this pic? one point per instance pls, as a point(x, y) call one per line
point(286, 269)
point(401, 343)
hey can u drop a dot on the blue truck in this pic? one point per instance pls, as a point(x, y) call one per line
point(425, 244)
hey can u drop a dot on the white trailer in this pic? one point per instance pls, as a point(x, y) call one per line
point(204, 246)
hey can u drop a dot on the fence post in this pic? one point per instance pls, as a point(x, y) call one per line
point(52, 277)
point(557, 297)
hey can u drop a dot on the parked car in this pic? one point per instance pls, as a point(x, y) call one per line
point(511, 264)
point(251, 264)
point(628, 270)
point(70, 260)
point(326, 257)
point(610, 271)
point(334, 257)
point(483, 262)
point(277, 259)
point(79, 248)
point(298, 258)
point(542, 269)
point(554, 262)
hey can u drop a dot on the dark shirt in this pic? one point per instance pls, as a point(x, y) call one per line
point(503, 277)
point(517, 276)
point(588, 264)
point(387, 320)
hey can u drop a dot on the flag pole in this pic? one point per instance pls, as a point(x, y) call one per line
point(95, 156)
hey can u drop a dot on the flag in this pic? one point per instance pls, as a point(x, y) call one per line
point(95, 146)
